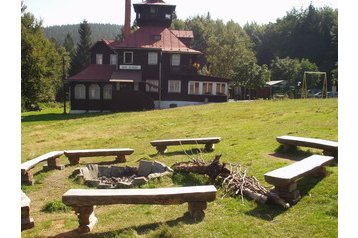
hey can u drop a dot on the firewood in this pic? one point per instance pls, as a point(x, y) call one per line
point(234, 180)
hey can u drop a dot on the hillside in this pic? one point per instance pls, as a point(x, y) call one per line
point(248, 131)
point(99, 31)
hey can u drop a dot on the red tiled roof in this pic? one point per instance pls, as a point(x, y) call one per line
point(183, 33)
point(107, 41)
point(94, 72)
point(144, 38)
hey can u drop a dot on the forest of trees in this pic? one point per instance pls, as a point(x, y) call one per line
point(303, 40)
point(99, 31)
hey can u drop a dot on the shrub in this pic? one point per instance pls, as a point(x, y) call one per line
point(55, 206)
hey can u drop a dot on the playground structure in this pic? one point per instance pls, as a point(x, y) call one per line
point(304, 92)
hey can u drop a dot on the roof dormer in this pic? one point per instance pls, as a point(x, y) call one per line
point(154, 13)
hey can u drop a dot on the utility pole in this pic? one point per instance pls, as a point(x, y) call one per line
point(63, 82)
point(160, 78)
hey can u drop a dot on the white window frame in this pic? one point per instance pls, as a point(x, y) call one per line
point(192, 84)
point(113, 59)
point(99, 58)
point(124, 57)
point(80, 91)
point(174, 86)
point(107, 91)
point(175, 60)
point(206, 90)
point(94, 92)
point(152, 58)
point(222, 89)
point(148, 88)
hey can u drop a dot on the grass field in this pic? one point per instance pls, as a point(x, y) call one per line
point(248, 131)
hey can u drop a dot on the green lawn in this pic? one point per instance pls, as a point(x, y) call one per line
point(248, 131)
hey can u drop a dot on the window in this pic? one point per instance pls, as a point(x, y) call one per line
point(193, 87)
point(107, 92)
point(151, 85)
point(136, 86)
point(80, 91)
point(220, 88)
point(174, 86)
point(94, 92)
point(113, 59)
point(152, 58)
point(168, 16)
point(207, 88)
point(175, 60)
point(99, 58)
point(128, 57)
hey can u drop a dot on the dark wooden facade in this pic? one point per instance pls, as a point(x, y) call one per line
point(133, 94)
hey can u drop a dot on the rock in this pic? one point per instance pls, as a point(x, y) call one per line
point(92, 171)
point(159, 167)
point(104, 185)
point(158, 175)
point(145, 168)
point(139, 181)
point(104, 171)
point(124, 185)
point(92, 182)
point(117, 171)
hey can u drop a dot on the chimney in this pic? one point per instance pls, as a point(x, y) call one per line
point(127, 19)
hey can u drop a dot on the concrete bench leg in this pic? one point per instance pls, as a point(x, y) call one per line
point(27, 178)
point(86, 218)
point(209, 147)
point(121, 159)
point(331, 153)
point(27, 222)
point(288, 148)
point(53, 163)
point(74, 160)
point(320, 172)
point(196, 210)
point(288, 192)
point(161, 149)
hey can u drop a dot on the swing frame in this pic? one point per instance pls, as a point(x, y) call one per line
point(304, 92)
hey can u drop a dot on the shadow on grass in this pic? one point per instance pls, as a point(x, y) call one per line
point(269, 211)
point(189, 152)
point(141, 230)
point(58, 116)
point(294, 153)
point(189, 179)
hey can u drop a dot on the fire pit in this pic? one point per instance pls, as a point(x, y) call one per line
point(101, 176)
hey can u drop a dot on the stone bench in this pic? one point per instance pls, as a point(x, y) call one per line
point(161, 145)
point(285, 179)
point(53, 162)
point(329, 148)
point(120, 153)
point(83, 201)
point(27, 222)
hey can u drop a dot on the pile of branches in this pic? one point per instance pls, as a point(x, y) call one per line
point(234, 180)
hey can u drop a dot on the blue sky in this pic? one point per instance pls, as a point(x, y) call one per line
point(60, 12)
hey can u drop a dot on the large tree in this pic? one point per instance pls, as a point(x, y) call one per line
point(292, 70)
point(310, 33)
point(41, 63)
point(82, 56)
point(69, 44)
